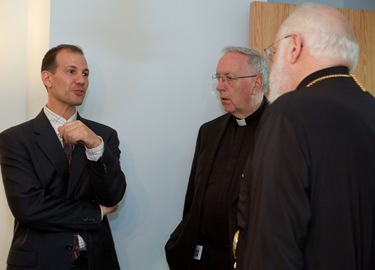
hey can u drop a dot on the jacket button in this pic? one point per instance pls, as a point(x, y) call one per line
point(69, 247)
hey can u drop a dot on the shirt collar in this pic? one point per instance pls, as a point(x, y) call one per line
point(254, 115)
point(57, 120)
point(241, 122)
point(323, 72)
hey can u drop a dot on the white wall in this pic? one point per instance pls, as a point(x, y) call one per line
point(37, 44)
point(13, 107)
point(24, 34)
point(151, 64)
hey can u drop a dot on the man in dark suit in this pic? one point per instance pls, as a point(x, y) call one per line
point(60, 199)
point(203, 237)
point(312, 175)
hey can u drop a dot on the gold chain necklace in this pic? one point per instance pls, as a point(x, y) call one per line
point(336, 76)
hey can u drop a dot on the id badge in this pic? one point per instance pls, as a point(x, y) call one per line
point(198, 252)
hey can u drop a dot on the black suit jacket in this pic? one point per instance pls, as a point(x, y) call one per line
point(181, 245)
point(48, 205)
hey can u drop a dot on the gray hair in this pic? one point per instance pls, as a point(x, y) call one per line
point(325, 31)
point(256, 60)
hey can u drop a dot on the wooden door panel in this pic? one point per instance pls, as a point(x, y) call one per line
point(265, 19)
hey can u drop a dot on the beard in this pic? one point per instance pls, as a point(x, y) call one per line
point(280, 78)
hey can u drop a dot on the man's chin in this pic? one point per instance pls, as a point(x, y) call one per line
point(78, 102)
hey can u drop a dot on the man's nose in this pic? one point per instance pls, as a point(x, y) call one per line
point(220, 86)
point(80, 79)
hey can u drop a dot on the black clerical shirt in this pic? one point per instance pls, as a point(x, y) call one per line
point(224, 179)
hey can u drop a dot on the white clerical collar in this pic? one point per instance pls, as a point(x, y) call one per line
point(241, 122)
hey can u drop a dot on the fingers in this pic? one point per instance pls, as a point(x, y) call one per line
point(108, 210)
point(115, 208)
point(77, 132)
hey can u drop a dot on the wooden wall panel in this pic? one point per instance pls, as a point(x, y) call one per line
point(265, 19)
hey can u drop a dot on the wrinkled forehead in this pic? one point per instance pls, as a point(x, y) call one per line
point(233, 62)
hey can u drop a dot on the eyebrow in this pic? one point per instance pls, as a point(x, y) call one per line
point(75, 67)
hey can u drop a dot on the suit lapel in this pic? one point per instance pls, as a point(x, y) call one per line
point(50, 145)
point(218, 133)
point(48, 142)
point(78, 165)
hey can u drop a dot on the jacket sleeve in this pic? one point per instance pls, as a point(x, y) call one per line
point(192, 178)
point(106, 176)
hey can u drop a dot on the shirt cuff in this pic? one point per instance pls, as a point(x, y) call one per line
point(94, 154)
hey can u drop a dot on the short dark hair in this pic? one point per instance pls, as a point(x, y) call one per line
point(49, 59)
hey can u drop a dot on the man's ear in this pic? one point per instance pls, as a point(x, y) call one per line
point(257, 85)
point(296, 48)
point(46, 78)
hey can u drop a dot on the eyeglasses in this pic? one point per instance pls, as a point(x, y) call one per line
point(229, 78)
point(270, 50)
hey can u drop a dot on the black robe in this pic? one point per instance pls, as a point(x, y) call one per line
point(312, 180)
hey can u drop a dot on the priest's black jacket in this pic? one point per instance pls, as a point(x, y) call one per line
point(181, 244)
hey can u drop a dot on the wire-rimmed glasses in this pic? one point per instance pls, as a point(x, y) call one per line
point(270, 50)
point(229, 78)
